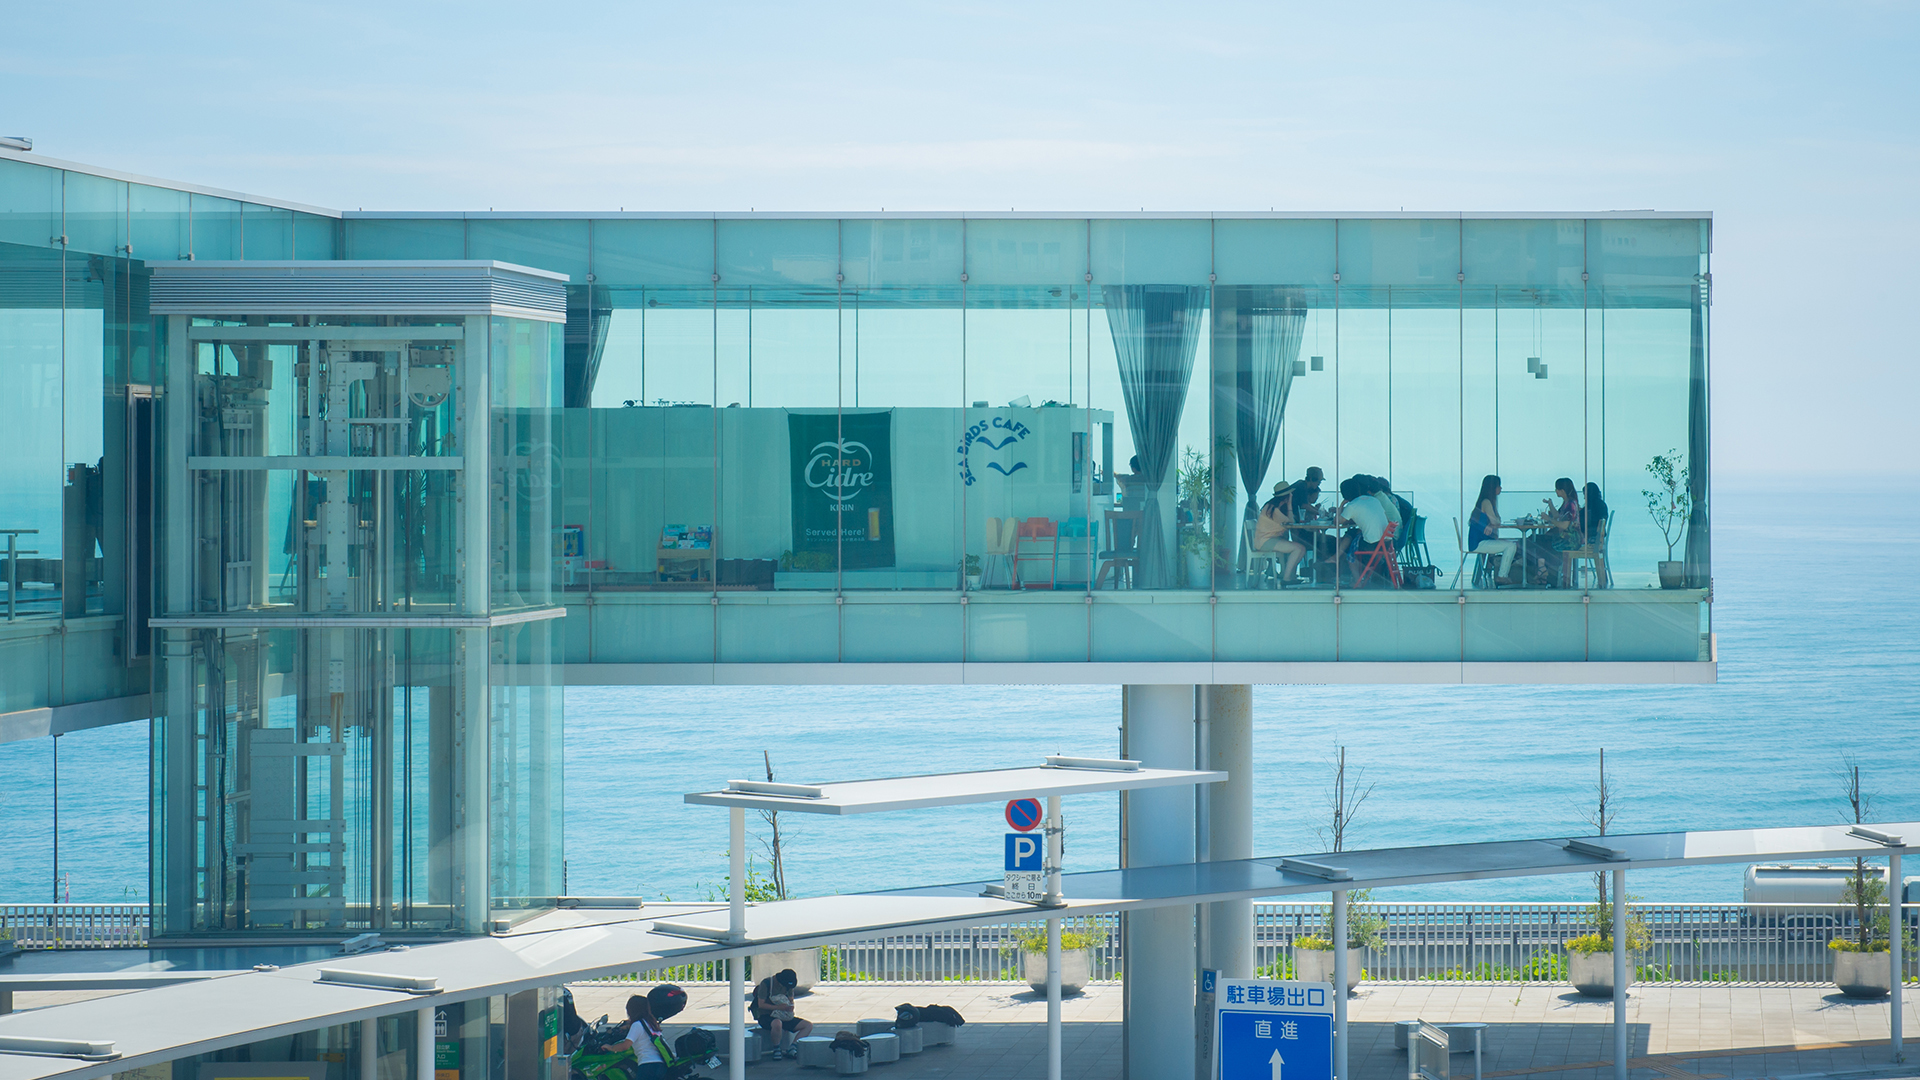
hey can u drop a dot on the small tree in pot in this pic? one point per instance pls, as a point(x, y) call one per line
point(1862, 966)
point(1313, 954)
point(1590, 955)
point(1671, 506)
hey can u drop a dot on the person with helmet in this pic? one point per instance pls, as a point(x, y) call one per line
point(649, 1046)
point(773, 1008)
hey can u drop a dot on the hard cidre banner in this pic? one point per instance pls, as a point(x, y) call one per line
point(842, 489)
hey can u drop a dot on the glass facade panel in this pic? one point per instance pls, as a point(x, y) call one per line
point(314, 236)
point(158, 223)
point(406, 238)
point(266, 232)
point(214, 228)
point(557, 245)
point(29, 204)
point(32, 489)
point(96, 214)
point(632, 253)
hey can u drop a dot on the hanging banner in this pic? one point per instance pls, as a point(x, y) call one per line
point(842, 468)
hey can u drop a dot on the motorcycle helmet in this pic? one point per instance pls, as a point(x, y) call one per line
point(666, 1001)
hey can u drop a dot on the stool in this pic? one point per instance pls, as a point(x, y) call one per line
point(872, 1027)
point(847, 1063)
point(816, 1052)
point(882, 1047)
point(910, 1039)
point(1467, 1037)
point(1403, 1032)
point(937, 1034)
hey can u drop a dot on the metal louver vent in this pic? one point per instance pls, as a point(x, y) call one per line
point(358, 288)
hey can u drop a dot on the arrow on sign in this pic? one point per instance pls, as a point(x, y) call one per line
point(1276, 1061)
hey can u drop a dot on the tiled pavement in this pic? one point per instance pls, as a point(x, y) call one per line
point(1677, 1033)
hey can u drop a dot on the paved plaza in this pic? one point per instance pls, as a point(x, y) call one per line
point(1677, 1032)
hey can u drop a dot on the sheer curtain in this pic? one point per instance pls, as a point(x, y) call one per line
point(1263, 374)
point(1156, 330)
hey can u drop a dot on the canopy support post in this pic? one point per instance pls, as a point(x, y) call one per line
point(1340, 984)
point(737, 932)
point(1620, 974)
point(1054, 836)
point(1896, 933)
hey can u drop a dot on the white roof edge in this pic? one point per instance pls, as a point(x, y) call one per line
point(32, 158)
point(349, 264)
point(1022, 215)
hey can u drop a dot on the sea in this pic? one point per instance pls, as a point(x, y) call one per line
point(1819, 643)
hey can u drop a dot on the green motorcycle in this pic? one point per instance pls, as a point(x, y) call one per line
point(593, 1060)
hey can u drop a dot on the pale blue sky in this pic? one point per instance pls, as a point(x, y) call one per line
point(1795, 124)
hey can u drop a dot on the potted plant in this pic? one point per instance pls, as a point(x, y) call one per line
point(1862, 963)
point(971, 569)
point(1076, 957)
point(1313, 954)
point(1203, 557)
point(1670, 505)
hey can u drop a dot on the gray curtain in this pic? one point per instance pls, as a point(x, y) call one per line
point(1699, 561)
point(589, 310)
point(1263, 377)
point(1156, 329)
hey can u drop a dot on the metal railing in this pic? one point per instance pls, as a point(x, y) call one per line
point(1495, 943)
point(73, 926)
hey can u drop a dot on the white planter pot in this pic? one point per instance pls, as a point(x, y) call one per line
point(1673, 575)
point(1316, 965)
point(1196, 571)
point(1592, 973)
point(1863, 974)
point(1076, 970)
point(804, 962)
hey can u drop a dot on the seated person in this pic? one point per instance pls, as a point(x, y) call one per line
point(773, 1009)
point(1564, 532)
point(1306, 492)
point(1361, 510)
point(1133, 485)
point(1483, 530)
point(1270, 532)
point(1377, 487)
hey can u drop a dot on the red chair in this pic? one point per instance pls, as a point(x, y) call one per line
point(1380, 554)
point(1037, 528)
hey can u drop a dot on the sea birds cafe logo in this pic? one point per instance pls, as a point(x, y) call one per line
point(839, 471)
point(996, 434)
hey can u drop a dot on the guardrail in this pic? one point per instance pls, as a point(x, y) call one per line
point(73, 926)
point(1494, 943)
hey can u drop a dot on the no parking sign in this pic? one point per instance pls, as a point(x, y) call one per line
point(1026, 878)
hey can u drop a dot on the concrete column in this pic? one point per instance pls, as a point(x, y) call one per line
point(1159, 943)
point(1230, 823)
point(423, 1042)
point(369, 1050)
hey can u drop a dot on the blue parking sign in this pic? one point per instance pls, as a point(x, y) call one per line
point(1270, 1030)
point(1024, 852)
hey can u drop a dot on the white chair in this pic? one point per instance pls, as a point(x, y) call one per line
point(1002, 535)
point(1482, 567)
point(1262, 566)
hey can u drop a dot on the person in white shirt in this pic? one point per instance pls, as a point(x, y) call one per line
point(644, 1036)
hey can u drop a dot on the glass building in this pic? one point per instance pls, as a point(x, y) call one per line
point(340, 500)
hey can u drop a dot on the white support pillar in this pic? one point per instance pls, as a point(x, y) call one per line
point(737, 932)
point(1896, 933)
point(1054, 837)
point(423, 1043)
point(1230, 823)
point(1620, 975)
point(369, 1050)
point(1159, 945)
point(1340, 984)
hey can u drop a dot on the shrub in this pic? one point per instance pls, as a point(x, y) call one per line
point(1314, 942)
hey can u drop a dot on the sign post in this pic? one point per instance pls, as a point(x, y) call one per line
point(1269, 1030)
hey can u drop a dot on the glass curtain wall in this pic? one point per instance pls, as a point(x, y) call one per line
point(1014, 439)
